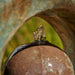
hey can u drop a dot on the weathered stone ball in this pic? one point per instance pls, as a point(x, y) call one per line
point(40, 60)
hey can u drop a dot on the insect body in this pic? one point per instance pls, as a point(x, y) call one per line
point(39, 34)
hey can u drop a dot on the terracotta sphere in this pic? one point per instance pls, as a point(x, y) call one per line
point(40, 60)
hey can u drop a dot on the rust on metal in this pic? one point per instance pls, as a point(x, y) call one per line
point(40, 60)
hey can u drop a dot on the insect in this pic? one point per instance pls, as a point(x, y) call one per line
point(39, 34)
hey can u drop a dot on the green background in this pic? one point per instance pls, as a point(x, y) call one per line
point(25, 35)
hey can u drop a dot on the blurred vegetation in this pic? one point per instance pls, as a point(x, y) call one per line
point(25, 35)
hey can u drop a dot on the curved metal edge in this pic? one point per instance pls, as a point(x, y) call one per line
point(24, 46)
